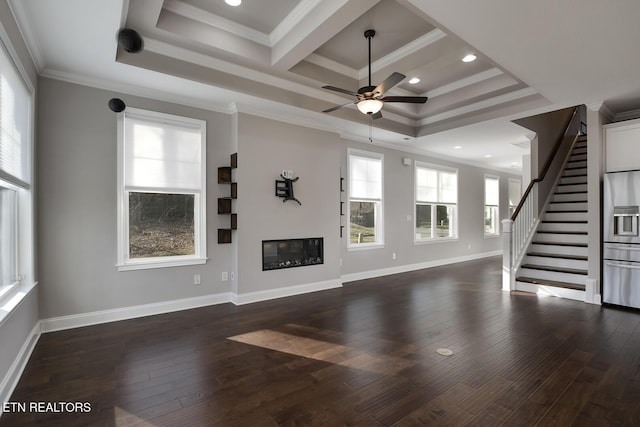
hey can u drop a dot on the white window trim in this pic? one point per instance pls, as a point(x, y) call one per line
point(124, 263)
point(427, 241)
point(379, 243)
point(12, 294)
point(497, 227)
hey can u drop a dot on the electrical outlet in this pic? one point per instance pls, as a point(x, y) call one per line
point(225, 276)
point(196, 279)
point(393, 256)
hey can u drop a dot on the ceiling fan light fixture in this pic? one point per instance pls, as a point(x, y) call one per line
point(233, 2)
point(370, 106)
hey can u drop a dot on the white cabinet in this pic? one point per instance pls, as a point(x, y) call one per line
point(622, 146)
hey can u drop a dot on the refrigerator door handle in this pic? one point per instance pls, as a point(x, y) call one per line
point(621, 246)
point(619, 265)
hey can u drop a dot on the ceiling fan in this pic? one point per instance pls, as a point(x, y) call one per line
point(370, 98)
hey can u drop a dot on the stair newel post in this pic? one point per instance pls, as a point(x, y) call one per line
point(508, 277)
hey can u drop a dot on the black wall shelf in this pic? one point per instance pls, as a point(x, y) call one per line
point(225, 206)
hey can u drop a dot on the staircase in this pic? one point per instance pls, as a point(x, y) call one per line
point(556, 260)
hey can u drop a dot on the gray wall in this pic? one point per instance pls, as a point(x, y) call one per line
point(265, 148)
point(77, 206)
point(399, 204)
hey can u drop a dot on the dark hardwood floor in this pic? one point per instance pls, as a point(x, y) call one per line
point(362, 355)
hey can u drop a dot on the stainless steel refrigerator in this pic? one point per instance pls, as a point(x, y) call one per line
point(621, 241)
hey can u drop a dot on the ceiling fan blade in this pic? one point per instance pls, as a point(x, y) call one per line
point(337, 89)
point(337, 107)
point(410, 99)
point(389, 82)
point(377, 115)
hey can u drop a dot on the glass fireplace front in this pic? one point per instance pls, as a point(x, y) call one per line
point(288, 253)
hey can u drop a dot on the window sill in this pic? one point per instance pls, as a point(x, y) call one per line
point(491, 236)
point(145, 265)
point(430, 241)
point(365, 247)
point(13, 299)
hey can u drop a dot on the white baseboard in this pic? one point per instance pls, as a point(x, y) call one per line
point(10, 380)
point(240, 299)
point(412, 267)
point(104, 316)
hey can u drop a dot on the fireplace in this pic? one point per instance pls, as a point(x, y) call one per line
point(289, 253)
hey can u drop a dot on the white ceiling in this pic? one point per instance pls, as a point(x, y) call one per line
point(272, 57)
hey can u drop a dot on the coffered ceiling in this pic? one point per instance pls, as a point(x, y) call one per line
point(273, 57)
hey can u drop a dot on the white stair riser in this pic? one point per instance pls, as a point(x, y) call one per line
point(565, 216)
point(562, 250)
point(569, 197)
point(563, 226)
point(571, 172)
point(578, 279)
point(556, 262)
point(567, 206)
point(561, 238)
point(573, 180)
point(571, 188)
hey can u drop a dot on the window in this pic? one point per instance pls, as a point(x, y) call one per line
point(161, 221)
point(436, 195)
point(16, 112)
point(365, 199)
point(515, 193)
point(491, 205)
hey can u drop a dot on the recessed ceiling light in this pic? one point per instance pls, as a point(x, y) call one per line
point(457, 147)
point(487, 155)
point(469, 58)
point(414, 81)
point(233, 2)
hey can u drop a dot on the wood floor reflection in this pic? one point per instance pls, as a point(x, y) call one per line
point(362, 355)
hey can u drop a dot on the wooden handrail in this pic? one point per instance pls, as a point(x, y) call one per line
point(546, 167)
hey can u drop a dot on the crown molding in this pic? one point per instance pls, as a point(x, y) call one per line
point(27, 33)
point(332, 65)
point(491, 102)
point(467, 81)
point(627, 115)
point(196, 14)
point(294, 17)
point(135, 90)
point(403, 51)
point(602, 108)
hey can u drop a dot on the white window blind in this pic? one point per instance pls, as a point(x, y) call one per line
point(436, 186)
point(15, 124)
point(491, 193)
point(162, 155)
point(366, 177)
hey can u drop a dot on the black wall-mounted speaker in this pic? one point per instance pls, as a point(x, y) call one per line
point(129, 40)
point(116, 105)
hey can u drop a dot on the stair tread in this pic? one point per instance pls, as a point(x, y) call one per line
point(553, 283)
point(569, 221)
point(562, 256)
point(570, 192)
point(544, 242)
point(573, 176)
point(570, 201)
point(581, 233)
point(554, 269)
point(568, 211)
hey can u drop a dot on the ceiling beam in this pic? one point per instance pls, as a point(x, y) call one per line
point(312, 30)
